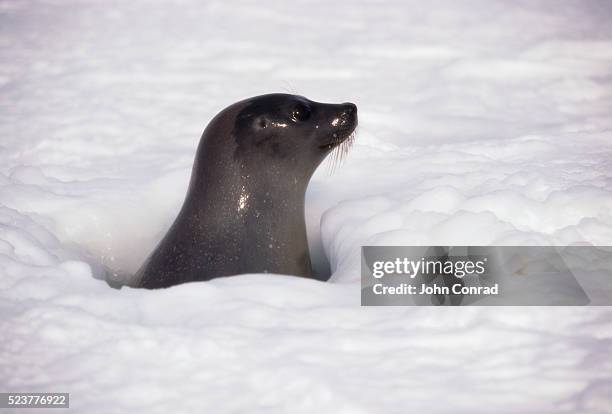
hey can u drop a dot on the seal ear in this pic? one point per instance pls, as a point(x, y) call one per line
point(260, 122)
point(252, 130)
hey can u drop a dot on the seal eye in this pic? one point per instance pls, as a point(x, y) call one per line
point(300, 113)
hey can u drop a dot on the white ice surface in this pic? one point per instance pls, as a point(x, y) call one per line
point(481, 122)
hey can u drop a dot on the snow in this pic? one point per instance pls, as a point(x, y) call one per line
point(481, 122)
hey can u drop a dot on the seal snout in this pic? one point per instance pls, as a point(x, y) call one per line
point(348, 116)
point(346, 120)
point(343, 122)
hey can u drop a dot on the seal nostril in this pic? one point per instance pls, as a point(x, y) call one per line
point(349, 108)
point(349, 112)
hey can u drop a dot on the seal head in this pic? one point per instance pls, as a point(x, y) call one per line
point(244, 209)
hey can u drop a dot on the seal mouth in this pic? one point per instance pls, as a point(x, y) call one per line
point(340, 137)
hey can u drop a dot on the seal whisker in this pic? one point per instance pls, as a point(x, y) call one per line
point(340, 151)
point(332, 159)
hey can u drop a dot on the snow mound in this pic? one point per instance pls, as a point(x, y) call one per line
point(481, 122)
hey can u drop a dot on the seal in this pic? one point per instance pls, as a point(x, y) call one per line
point(244, 208)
